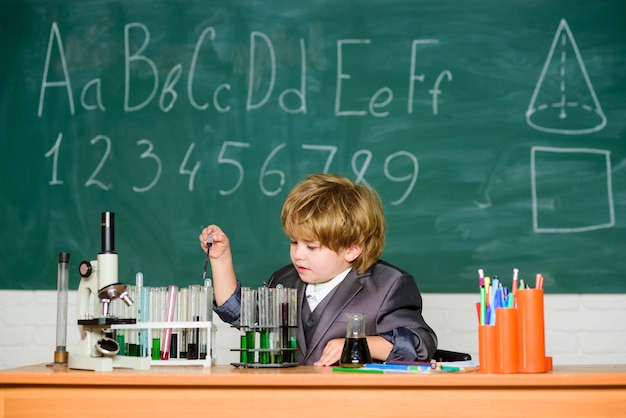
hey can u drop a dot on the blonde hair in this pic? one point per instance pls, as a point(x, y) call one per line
point(338, 213)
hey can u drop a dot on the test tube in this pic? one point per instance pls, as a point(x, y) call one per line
point(118, 310)
point(134, 348)
point(282, 302)
point(183, 316)
point(132, 313)
point(144, 316)
point(202, 331)
point(60, 354)
point(243, 325)
point(293, 321)
point(193, 336)
point(206, 313)
point(158, 296)
point(175, 331)
point(248, 319)
point(172, 294)
point(253, 319)
point(276, 331)
point(264, 322)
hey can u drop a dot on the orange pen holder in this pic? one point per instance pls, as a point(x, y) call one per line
point(488, 355)
point(531, 331)
point(516, 343)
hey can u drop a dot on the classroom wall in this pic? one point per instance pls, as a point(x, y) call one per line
point(580, 329)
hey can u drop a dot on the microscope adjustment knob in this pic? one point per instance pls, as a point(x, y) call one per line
point(85, 269)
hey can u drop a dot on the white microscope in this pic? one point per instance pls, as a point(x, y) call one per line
point(99, 278)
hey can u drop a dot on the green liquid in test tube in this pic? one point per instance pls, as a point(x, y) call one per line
point(247, 321)
point(264, 344)
point(264, 323)
point(250, 345)
point(120, 341)
point(293, 321)
point(156, 349)
point(276, 354)
point(243, 354)
point(131, 335)
point(133, 350)
point(158, 296)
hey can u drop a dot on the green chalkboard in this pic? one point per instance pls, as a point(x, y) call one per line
point(494, 131)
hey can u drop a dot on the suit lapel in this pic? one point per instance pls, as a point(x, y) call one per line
point(300, 338)
point(341, 296)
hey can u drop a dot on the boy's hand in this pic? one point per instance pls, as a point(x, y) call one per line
point(220, 243)
point(332, 353)
point(224, 280)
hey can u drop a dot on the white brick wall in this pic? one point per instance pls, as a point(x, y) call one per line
point(580, 329)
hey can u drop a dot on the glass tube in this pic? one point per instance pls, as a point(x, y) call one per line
point(293, 321)
point(243, 325)
point(174, 348)
point(209, 300)
point(60, 354)
point(206, 313)
point(248, 319)
point(276, 329)
point(131, 348)
point(158, 296)
point(118, 310)
point(144, 316)
point(172, 295)
point(183, 316)
point(195, 293)
point(264, 323)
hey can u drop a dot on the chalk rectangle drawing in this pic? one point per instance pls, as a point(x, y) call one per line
point(571, 189)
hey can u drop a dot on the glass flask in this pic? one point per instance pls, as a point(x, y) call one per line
point(355, 352)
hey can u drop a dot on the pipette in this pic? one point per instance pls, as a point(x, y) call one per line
point(209, 243)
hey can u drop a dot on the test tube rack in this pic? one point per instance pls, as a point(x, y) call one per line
point(159, 326)
point(280, 352)
point(268, 321)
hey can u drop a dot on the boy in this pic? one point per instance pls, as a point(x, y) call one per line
point(336, 228)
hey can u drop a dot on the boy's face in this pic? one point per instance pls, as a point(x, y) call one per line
point(318, 264)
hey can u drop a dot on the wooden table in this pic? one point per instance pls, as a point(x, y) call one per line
point(224, 391)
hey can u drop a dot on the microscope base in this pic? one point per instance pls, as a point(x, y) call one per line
point(107, 364)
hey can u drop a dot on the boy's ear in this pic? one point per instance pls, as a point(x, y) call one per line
point(353, 252)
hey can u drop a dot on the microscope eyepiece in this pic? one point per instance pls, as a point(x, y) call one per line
point(108, 232)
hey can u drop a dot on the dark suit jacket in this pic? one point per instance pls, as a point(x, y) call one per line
point(387, 295)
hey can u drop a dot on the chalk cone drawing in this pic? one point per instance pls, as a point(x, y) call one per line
point(564, 100)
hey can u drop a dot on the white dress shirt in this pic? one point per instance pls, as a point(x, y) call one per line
point(315, 293)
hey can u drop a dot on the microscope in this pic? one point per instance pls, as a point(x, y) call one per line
point(99, 279)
